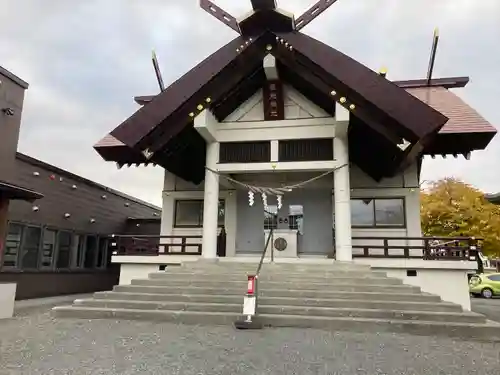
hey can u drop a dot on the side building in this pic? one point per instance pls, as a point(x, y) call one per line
point(55, 225)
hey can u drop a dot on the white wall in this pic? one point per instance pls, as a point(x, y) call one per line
point(176, 188)
point(404, 186)
point(134, 271)
point(7, 299)
point(447, 279)
point(302, 119)
point(297, 106)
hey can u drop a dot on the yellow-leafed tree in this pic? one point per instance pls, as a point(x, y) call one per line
point(451, 207)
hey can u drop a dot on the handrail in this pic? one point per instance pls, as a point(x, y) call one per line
point(259, 267)
point(264, 252)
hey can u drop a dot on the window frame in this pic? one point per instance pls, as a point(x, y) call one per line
point(19, 247)
point(54, 250)
point(74, 258)
point(271, 219)
point(84, 256)
point(104, 264)
point(73, 261)
point(57, 248)
point(200, 213)
point(20, 265)
point(374, 215)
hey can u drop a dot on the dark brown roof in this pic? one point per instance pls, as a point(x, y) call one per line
point(385, 112)
point(366, 88)
point(147, 118)
point(15, 192)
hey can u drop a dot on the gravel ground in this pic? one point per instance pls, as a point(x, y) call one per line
point(35, 343)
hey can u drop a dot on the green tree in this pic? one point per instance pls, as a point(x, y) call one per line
point(451, 207)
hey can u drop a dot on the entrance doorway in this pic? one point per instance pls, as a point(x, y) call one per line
point(289, 218)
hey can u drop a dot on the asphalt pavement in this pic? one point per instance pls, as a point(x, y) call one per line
point(36, 343)
point(488, 307)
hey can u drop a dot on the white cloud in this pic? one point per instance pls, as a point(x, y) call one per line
point(86, 60)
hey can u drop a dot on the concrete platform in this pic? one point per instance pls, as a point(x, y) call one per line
point(306, 296)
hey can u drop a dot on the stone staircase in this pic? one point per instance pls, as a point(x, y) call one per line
point(331, 296)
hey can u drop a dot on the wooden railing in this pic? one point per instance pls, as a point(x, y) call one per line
point(155, 245)
point(427, 248)
point(163, 245)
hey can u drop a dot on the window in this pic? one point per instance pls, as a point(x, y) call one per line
point(378, 212)
point(63, 249)
point(189, 213)
point(270, 218)
point(390, 212)
point(12, 245)
point(362, 212)
point(101, 253)
point(90, 251)
point(48, 247)
point(77, 251)
point(494, 277)
point(30, 247)
point(296, 218)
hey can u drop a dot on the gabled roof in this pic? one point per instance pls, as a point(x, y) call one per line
point(367, 89)
point(223, 70)
point(184, 95)
point(386, 113)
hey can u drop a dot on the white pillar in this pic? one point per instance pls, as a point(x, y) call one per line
point(168, 209)
point(211, 203)
point(230, 223)
point(341, 189)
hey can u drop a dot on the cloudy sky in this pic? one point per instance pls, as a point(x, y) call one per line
point(86, 59)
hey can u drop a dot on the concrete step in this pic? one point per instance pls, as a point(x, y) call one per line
point(300, 265)
point(297, 293)
point(287, 310)
point(268, 284)
point(285, 301)
point(338, 278)
point(271, 268)
point(489, 331)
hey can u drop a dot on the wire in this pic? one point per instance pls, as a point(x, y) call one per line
point(275, 191)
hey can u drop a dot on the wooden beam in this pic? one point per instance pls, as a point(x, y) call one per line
point(220, 14)
point(138, 127)
point(216, 89)
point(447, 83)
point(310, 15)
point(359, 111)
point(159, 77)
point(206, 125)
point(432, 58)
point(263, 4)
point(143, 100)
point(273, 100)
point(270, 68)
point(394, 107)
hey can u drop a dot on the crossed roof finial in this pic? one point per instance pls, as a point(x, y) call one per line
point(266, 15)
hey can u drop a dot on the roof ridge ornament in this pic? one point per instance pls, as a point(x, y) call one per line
point(266, 14)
